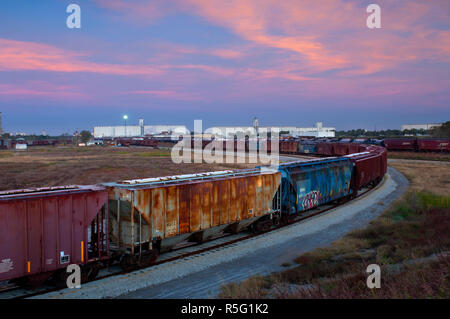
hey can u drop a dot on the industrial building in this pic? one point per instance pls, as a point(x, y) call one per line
point(425, 127)
point(230, 131)
point(217, 131)
point(139, 130)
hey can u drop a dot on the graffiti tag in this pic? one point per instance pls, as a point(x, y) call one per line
point(311, 200)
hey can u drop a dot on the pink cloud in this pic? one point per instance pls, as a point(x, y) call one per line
point(313, 49)
point(37, 89)
point(167, 94)
point(27, 56)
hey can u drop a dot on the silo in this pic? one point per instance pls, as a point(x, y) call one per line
point(141, 126)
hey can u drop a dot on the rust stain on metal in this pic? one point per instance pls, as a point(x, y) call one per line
point(194, 205)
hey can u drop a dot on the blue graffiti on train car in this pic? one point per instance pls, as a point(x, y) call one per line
point(310, 184)
point(307, 148)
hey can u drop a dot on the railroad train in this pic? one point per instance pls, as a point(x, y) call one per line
point(328, 147)
point(417, 145)
point(131, 222)
point(348, 146)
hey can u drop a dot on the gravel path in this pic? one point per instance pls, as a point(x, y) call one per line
point(202, 275)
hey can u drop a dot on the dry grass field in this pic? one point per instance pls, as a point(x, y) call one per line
point(409, 241)
point(429, 156)
point(425, 176)
point(53, 166)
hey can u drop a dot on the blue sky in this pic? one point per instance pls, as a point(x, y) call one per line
point(170, 62)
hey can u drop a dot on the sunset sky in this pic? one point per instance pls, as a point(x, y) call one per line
point(223, 61)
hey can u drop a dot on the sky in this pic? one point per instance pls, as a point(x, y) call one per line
point(173, 61)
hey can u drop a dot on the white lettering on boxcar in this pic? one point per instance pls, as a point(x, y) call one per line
point(6, 265)
point(171, 228)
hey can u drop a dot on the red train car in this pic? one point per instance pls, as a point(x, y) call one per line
point(341, 149)
point(361, 148)
point(325, 148)
point(433, 145)
point(353, 148)
point(368, 169)
point(44, 230)
point(288, 147)
point(144, 142)
point(400, 144)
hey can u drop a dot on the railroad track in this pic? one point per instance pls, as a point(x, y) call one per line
point(180, 252)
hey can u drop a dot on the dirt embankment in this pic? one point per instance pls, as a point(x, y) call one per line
point(409, 242)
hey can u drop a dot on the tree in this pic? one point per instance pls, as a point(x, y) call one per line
point(442, 131)
point(85, 136)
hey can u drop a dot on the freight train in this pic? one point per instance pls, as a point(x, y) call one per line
point(130, 222)
point(417, 145)
point(347, 146)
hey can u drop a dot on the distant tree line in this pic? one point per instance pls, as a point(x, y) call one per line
point(84, 136)
point(441, 131)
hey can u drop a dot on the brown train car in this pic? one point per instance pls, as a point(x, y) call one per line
point(402, 144)
point(341, 149)
point(433, 145)
point(325, 148)
point(288, 147)
point(367, 169)
point(353, 148)
point(44, 230)
point(158, 213)
point(361, 148)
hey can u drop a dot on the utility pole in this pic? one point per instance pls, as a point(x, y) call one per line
point(125, 117)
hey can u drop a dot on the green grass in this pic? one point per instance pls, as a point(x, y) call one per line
point(153, 154)
point(4, 154)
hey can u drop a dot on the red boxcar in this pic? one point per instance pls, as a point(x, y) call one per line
point(353, 148)
point(325, 148)
point(433, 145)
point(144, 142)
point(288, 147)
point(367, 169)
point(43, 230)
point(341, 149)
point(402, 144)
point(362, 148)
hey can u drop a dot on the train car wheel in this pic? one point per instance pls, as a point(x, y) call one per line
point(149, 257)
point(90, 272)
point(127, 262)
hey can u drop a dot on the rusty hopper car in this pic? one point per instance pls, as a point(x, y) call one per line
point(152, 215)
point(44, 230)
